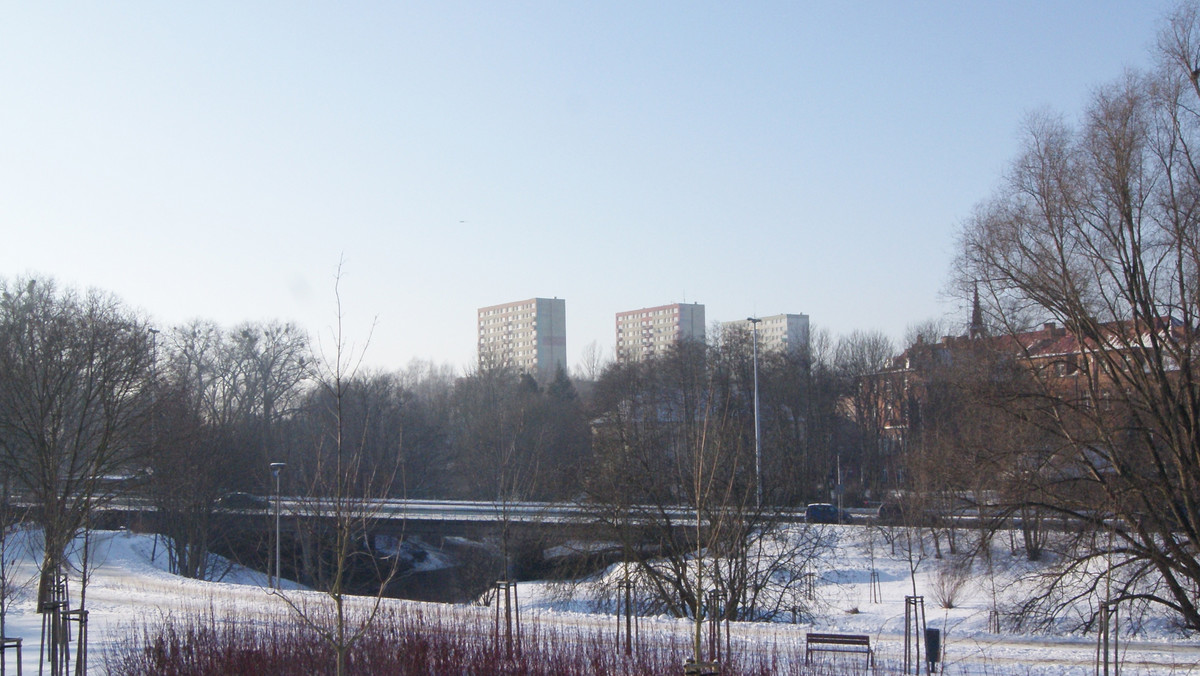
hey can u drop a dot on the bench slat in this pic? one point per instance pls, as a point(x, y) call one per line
point(840, 639)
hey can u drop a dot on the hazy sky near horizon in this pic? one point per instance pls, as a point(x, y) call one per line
point(216, 160)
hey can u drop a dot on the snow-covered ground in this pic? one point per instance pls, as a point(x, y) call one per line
point(847, 598)
point(130, 586)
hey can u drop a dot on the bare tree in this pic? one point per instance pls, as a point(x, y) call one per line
point(199, 359)
point(11, 518)
point(825, 391)
point(929, 331)
point(964, 436)
point(272, 363)
point(187, 461)
point(1097, 228)
point(512, 442)
point(672, 479)
point(206, 436)
point(498, 448)
point(591, 363)
point(74, 375)
point(344, 487)
point(858, 358)
point(427, 392)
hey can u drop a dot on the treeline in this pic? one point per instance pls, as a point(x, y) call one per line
point(213, 406)
point(95, 397)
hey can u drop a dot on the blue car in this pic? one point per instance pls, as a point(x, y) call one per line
point(821, 512)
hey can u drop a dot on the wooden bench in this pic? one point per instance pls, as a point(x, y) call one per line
point(691, 668)
point(839, 643)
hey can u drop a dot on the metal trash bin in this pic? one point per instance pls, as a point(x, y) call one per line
point(933, 648)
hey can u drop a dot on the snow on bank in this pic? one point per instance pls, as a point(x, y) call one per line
point(847, 598)
point(130, 587)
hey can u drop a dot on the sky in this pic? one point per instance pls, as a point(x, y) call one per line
point(223, 160)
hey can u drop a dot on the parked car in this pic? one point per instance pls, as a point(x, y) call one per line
point(821, 512)
point(909, 513)
point(240, 500)
point(889, 513)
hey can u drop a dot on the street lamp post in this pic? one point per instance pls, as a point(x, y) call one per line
point(757, 434)
point(276, 467)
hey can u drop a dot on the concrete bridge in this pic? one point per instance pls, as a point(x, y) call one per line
point(429, 519)
point(399, 518)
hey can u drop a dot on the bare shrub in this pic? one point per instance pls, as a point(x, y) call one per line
point(425, 641)
point(949, 582)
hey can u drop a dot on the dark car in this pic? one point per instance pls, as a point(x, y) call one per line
point(821, 512)
point(240, 500)
point(890, 513)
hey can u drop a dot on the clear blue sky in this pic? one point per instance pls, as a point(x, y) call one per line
point(215, 160)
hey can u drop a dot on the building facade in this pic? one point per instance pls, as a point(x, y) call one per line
point(782, 333)
point(527, 335)
point(1048, 364)
point(651, 331)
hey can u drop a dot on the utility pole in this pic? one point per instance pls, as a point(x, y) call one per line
point(276, 467)
point(757, 433)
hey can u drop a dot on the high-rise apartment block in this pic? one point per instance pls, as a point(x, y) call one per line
point(651, 331)
point(528, 335)
point(777, 332)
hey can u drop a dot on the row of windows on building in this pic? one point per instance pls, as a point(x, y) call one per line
point(506, 309)
point(520, 328)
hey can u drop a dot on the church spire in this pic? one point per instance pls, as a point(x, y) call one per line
point(977, 330)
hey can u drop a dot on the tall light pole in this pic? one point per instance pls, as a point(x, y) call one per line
point(276, 467)
point(757, 434)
